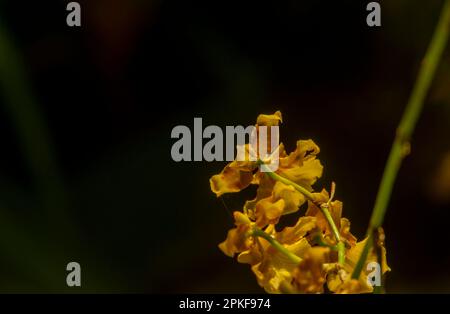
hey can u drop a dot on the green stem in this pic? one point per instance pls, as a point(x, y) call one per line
point(337, 236)
point(277, 245)
point(400, 147)
point(324, 209)
point(341, 252)
point(340, 248)
point(320, 241)
point(330, 221)
point(299, 188)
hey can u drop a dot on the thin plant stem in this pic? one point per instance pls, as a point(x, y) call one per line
point(401, 146)
point(340, 245)
point(299, 188)
point(320, 241)
point(324, 209)
point(341, 252)
point(277, 245)
point(333, 227)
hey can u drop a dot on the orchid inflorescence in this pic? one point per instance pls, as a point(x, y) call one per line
point(318, 253)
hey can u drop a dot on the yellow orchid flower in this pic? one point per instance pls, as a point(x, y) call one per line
point(238, 175)
point(310, 275)
point(237, 240)
point(301, 166)
point(319, 250)
point(275, 269)
point(235, 177)
point(335, 209)
point(341, 282)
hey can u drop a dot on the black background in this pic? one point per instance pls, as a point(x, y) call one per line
point(108, 94)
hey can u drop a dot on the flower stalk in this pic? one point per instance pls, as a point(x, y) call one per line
point(306, 265)
point(323, 207)
point(340, 244)
point(401, 146)
point(259, 233)
point(286, 181)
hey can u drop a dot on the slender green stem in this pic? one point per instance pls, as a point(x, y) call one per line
point(330, 221)
point(337, 236)
point(340, 248)
point(400, 147)
point(286, 181)
point(320, 241)
point(341, 252)
point(362, 259)
point(324, 209)
point(277, 245)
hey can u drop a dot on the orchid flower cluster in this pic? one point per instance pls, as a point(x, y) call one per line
point(319, 253)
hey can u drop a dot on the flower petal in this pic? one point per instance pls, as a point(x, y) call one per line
point(235, 177)
point(293, 234)
point(269, 120)
point(310, 276)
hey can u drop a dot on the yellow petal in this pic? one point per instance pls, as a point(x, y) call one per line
point(233, 178)
point(268, 212)
point(237, 239)
point(336, 278)
point(353, 286)
point(241, 218)
point(353, 256)
point(309, 276)
point(321, 222)
point(264, 190)
point(345, 232)
point(305, 150)
point(228, 246)
point(292, 198)
point(301, 166)
point(384, 266)
point(305, 175)
point(293, 234)
point(269, 120)
point(283, 200)
point(276, 269)
point(251, 256)
point(335, 210)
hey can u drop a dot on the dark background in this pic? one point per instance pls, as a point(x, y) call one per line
point(86, 115)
